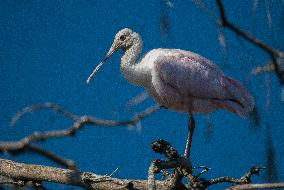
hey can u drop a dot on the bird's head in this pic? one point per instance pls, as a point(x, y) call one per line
point(124, 39)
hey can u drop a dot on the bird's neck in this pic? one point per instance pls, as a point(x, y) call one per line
point(131, 69)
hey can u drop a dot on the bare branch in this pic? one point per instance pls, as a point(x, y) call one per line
point(50, 155)
point(21, 173)
point(184, 169)
point(31, 172)
point(258, 186)
point(205, 169)
point(245, 179)
point(40, 106)
point(173, 160)
point(257, 42)
point(151, 176)
point(79, 122)
point(201, 183)
point(272, 52)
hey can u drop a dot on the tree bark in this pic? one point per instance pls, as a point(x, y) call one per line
point(38, 173)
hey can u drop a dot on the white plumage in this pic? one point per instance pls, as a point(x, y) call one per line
point(178, 79)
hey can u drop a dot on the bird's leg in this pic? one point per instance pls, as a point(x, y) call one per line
point(177, 178)
point(191, 126)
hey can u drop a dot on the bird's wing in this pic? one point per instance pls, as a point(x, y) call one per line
point(190, 75)
point(196, 77)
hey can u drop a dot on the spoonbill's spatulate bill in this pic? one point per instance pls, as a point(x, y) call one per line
point(178, 79)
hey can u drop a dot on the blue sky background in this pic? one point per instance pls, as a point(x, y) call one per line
point(49, 48)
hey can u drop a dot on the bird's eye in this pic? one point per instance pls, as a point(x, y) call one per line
point(122, 38)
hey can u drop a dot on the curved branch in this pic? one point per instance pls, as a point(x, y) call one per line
point(40, 106)
point(272, 52)
point(79, 122)
point(247, 36)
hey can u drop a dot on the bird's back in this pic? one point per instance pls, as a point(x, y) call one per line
point(151, 57)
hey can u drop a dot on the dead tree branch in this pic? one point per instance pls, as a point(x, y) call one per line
point(79, 122)
point(275, 55)
point(173, 161)
point(184, 169)
point(31, 172)
point(20, 174)
point(41, 106)
point(258, 186)
point(52, 156)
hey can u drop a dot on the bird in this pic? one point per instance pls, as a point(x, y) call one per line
point(179, 80)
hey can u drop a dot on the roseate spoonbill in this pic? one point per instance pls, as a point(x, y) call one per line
point(178, 79)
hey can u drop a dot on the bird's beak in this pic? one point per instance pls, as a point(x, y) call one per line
point(110, 52)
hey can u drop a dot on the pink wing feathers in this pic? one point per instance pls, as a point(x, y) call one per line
point(195, 77)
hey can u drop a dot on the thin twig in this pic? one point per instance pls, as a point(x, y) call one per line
point(40, 106)
point(114, 172)
point(245, 179)
point(205, 169)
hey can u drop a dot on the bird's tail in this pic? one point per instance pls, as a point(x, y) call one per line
point(241, 101)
